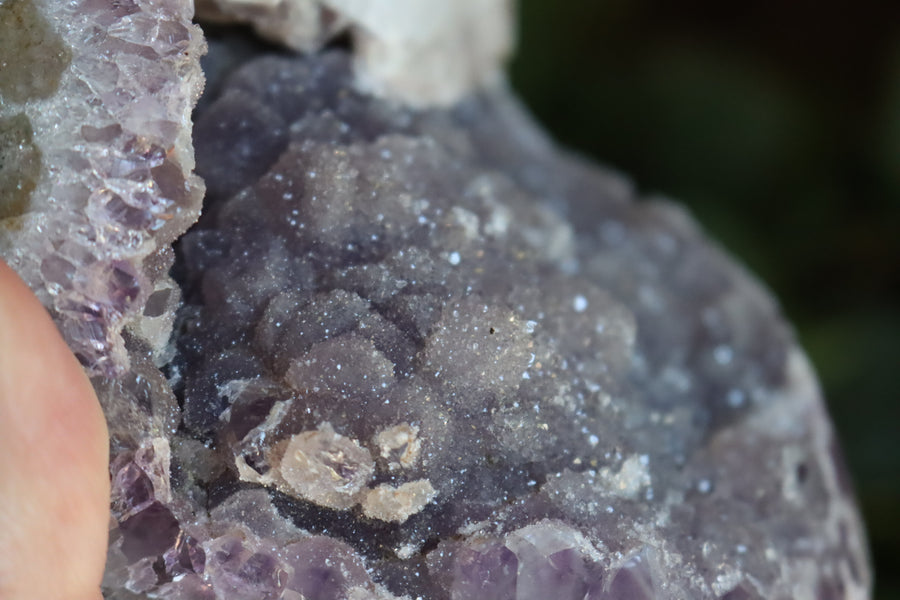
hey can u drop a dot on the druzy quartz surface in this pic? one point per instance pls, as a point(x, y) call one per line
point(417, 353)
point(424, 354)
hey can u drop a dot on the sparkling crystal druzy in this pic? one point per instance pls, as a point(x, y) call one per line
point(424, 354)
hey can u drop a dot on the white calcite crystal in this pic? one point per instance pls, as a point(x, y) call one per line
point(397, 504)
point(326, 468)
point(399, 445)
point(420, 352)
point(418, 51)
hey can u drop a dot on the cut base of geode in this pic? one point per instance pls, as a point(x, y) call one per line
point(424, 354)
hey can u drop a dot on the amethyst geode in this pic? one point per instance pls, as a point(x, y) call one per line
point(418, 353)
point(424, 354)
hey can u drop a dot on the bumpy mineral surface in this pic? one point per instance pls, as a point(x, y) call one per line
point(425, 355)
point(421, 353)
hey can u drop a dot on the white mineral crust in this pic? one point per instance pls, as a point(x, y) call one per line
point(418, 51)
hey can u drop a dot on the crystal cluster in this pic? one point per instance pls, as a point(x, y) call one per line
point(425, 355)
point(418, 353)
point(96, 161)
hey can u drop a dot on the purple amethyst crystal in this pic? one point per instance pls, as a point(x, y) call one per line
point(149, 532)
point(485, 573)
point(325, 568)
point(239, 571)
point(184, 556)
point(632, 582)
point(482, 568)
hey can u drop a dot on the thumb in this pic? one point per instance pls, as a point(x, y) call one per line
point(54, 481)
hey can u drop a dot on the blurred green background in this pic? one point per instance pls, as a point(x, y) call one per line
point(778, 124)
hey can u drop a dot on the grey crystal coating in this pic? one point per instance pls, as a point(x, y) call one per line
point(424, 354)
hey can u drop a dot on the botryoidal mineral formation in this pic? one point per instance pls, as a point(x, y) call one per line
point(419, 353)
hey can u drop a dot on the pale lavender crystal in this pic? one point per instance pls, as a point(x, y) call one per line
point(236, 568)
point(149, 532)
point(96, 161)
point(325, 568)
point(633, 581)
point(189, 587)
point(486, 571)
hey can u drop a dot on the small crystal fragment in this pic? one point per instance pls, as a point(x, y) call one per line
point(325, 467)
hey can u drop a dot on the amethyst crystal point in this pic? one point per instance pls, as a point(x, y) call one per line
point(554, 562)
point(325, 568)
point(477, 569)
point(631, 582)
point(237, 569)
